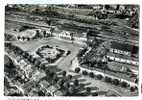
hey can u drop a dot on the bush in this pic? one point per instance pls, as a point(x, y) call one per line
point(84, 72)
point(116, 82)
point(99, 76)
point(77, 70)
point(91, 74)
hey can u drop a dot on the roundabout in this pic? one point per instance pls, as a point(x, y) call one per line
point(51, 54)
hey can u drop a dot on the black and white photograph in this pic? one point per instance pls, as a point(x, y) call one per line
point(71, 50)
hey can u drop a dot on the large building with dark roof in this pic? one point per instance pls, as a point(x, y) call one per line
point(124, 49)
point(123, 53)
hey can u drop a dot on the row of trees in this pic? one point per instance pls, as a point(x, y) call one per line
point(38, 35)
point(23, 38)
point(107, 79)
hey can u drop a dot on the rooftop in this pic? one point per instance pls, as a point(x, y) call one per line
point(122, 56)
point(124, 47)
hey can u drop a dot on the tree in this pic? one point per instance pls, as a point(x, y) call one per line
point(61, 82)
point(76, 82)
point(107, 7)
point(70, 90)
point(66, 85)
point(27, 54)
point(118, 7)
point(48, 21)
point(134, 21)
point(23, 38)
point(15, 94)
point(51, 74)
point(33, 60)
point(88, 90)
point(47, 71)
point(28, 38)
point(69, 77)
point(91, 74)
point(77, 70)
point(30, 58)
point(72, 38)
point(64, 73)
point(56, 79)
point(50, 11)
point(84, 72)
point(115, 82)
point(37, 10)
point(44, 33)
point(95, 42)
point(124, 84)
point(43, 66)
point(95, 94)
point(37, 34)
point(18, 37)
point(51, 30)
point(136, 81)
point(24, 54)
point(99, 76)
point(19, 52)
point(132, 89)
point(108, 79)
point(37, 63)
point(41, 93)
